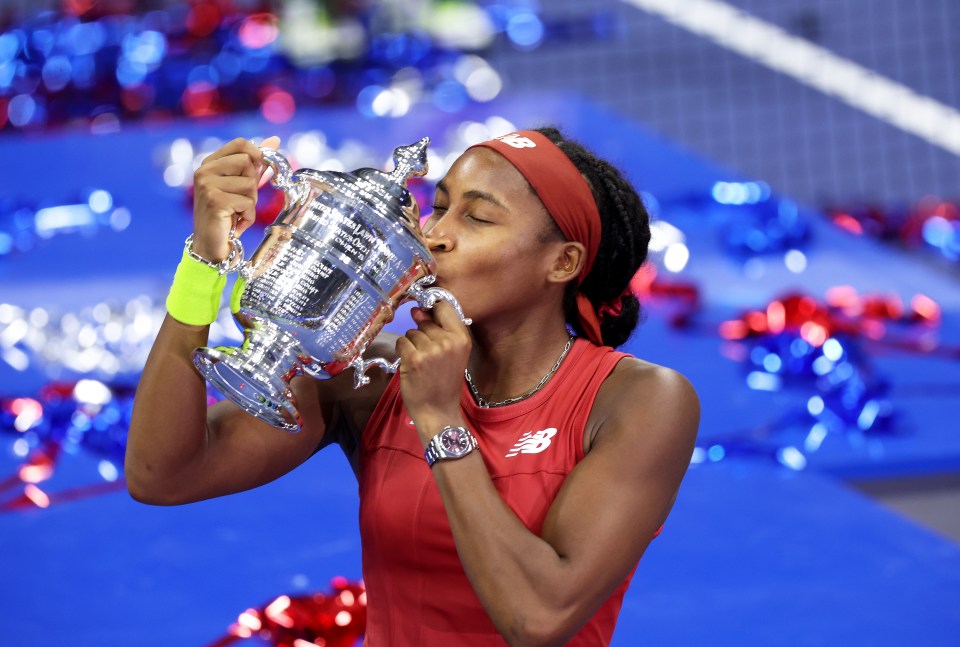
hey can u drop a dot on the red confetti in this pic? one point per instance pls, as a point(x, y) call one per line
point(203, 19)
point(844, 311)
point(334, 619)
point(278, 106)
point(680, 298)
point(258, 30)
point(930, 222)
point(201, 99)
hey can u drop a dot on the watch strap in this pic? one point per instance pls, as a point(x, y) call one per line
point(435, 450)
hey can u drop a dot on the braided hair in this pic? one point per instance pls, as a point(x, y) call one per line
point(623, 245)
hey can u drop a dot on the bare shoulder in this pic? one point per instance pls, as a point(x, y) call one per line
point(640, 436)
point(642, 402)
point(636, 380)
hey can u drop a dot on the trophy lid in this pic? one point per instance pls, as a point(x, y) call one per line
point(374, 185)
point(381, 198)
point(410, 161)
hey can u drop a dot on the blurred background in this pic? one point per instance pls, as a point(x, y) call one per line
point(801, 160)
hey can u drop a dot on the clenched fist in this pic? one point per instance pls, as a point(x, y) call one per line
point(225, 195)
point(433, 357)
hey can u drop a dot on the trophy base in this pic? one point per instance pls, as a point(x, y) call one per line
point(268, 398)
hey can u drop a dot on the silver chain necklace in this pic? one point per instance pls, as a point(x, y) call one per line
point(483, 403)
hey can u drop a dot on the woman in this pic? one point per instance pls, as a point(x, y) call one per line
point(512, 474)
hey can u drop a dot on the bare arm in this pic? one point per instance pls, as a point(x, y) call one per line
point(178, 450)
point(541, 590)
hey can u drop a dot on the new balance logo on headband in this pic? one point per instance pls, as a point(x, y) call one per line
point(517, 141)
point(532, 442)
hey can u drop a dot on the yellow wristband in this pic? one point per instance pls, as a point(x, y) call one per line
point(238, 288)
point(195, 294)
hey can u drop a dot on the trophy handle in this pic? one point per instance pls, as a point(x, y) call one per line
point(426, 297)
point(282, 173)
point(361, 365)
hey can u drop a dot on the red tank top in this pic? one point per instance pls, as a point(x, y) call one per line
point(417, 591)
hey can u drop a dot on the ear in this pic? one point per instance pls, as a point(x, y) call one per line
point(568, 262)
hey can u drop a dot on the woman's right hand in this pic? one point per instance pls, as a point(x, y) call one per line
point(225, 195)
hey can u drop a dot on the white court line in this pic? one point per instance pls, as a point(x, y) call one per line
point(815, 66)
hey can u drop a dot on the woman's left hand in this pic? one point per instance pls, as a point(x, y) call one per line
point(433, 357)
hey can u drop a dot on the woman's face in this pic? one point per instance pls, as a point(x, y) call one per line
point(489, 235)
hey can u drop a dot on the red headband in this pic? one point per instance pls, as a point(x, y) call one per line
point(567, 197)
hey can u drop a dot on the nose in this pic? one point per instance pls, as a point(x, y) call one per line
point(438, 240)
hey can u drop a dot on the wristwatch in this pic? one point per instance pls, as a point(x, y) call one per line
point(452, 442)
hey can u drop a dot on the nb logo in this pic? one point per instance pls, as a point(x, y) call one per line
point(532, 442)
point(515, 140)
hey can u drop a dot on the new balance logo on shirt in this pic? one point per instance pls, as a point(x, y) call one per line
point(532, 442)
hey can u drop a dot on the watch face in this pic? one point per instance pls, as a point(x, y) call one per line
point(455, 441)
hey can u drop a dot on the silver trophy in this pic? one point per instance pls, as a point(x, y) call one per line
point(344, 252)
